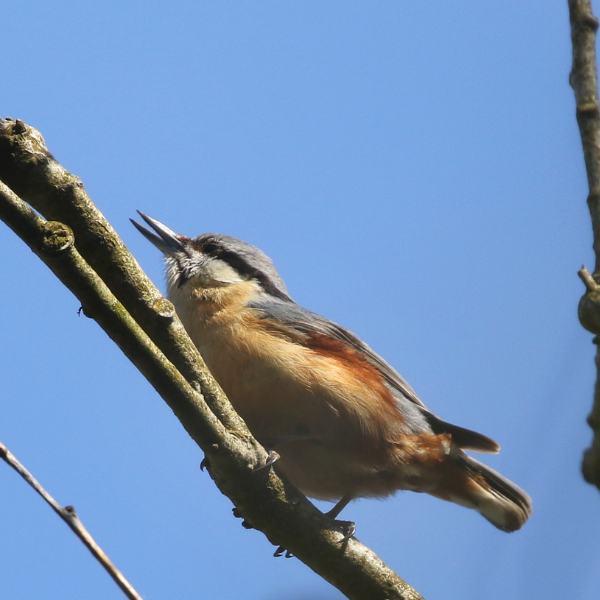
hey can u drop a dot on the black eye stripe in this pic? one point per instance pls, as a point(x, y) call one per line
point(243, 267)
point(246, 260)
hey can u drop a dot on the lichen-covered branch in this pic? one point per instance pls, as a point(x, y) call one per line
point(53, 242)
point(584, 81)
point(30, 170)
point(96, 268)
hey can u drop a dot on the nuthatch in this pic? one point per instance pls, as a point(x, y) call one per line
point(345, 424)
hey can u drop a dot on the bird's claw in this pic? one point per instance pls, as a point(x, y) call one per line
point(347, 528)
point(238, 515)
point(280, 552)
point(272, 458)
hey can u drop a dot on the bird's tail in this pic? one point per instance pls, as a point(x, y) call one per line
point(474, 485)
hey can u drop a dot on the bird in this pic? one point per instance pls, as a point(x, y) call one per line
point(343, 422)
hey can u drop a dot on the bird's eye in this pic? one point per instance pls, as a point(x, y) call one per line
point(210, 248)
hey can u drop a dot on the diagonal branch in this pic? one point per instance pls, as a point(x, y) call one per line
point(30, 170)
point(269, 504)
point(584, 81)
point(69, 516)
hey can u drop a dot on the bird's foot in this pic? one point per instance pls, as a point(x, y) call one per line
point(272, 458)
point(237, 515)
point(347, 528)
point(281, 551)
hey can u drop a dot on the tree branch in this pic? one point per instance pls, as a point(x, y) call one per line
point(69, 516)
point(584, 81)
point(98, 269)
point(30, 170)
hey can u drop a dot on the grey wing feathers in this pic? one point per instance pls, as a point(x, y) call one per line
point(292, 315)
point(466, 439)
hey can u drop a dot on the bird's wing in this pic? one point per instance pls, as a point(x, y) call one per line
point(293, 316)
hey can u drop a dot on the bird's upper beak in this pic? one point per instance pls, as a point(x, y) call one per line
point(168, 242)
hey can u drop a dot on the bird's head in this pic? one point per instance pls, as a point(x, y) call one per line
point(211, 260)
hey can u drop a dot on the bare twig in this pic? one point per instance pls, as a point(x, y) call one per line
point(265, 501)
point(584, 80)
point(588, 280)
point(69, 516)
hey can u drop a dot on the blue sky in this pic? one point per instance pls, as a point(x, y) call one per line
point(415, 171)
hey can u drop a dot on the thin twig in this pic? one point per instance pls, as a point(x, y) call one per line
point(584, 80)
point(69, 516)
point(588, 280)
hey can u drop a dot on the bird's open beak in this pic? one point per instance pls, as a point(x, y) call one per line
point(168, 242)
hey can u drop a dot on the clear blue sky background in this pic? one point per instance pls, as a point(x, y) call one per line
point(415, 171)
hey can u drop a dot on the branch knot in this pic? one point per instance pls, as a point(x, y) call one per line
point(57, 238)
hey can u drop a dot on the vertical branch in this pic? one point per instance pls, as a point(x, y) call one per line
point(584, 81)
